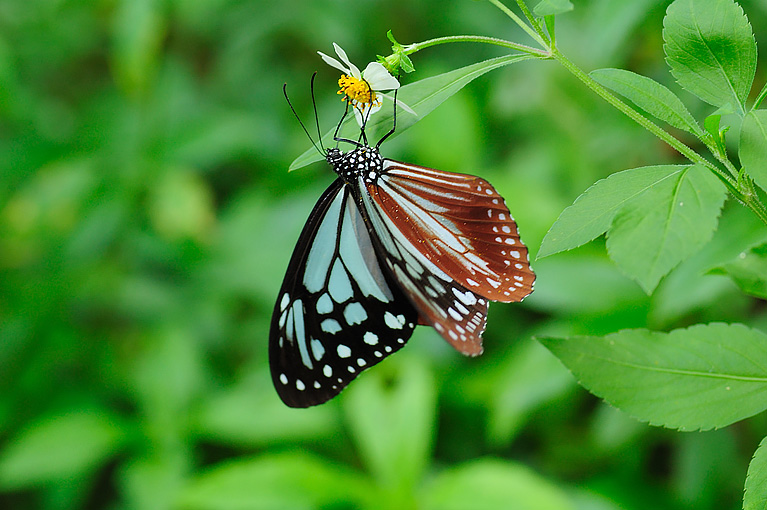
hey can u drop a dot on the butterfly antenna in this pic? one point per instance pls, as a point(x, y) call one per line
point(316, 115)
point(394, 122)
point(285, 91)
point(338, 128)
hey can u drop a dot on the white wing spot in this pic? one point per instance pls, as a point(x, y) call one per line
point(518, 266)
point(318, 350)
point(317, 384)
point(327, 370)
point(339, 286)
point(377, 354)
point(518, 278)
point(507, 229)
point(461, 309)
point(393, 322)
point(387, 348)
point(300, 385)
point(514, 254)
point(370, 338)
point(502, 217)
point(344, 351)
point(361, 362)
point(510, 240)
point(467, 298)
point(454, 314)
point(472, 282)
point(324, 304)
point(330, 326)
point(498, 240)
point(283, 379)
point(494, 283)
point(355, 313)
point(285, 301)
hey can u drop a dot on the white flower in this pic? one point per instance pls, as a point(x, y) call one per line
point(363, 89)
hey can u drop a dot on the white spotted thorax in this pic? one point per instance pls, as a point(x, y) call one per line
point(365, 162)
point(390, 245)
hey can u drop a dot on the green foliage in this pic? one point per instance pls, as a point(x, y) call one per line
point(702, 377)
point(491, 484)
point(652, 233)
point(753, 146)
point(711, 50)
point(147, 215)
point(647, 213)
point(748, 271)
point(756, 490)
point(60, 448)
point(649, 95)
point(552, 7)
point(289, 480)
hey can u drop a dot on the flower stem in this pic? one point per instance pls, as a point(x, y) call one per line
point(412, 48)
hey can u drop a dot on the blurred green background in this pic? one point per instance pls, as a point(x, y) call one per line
point(147, 217)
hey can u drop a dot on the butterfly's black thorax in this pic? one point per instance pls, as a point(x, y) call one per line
point(364, 162)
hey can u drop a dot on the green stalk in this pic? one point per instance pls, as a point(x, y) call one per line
point(534, 22)
point(524, 26)
point(412, 48)
point(732, 186)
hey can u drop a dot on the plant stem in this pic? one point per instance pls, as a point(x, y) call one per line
point(524, 26)
point(534, 22)
point(412, 48)
point(747, 199)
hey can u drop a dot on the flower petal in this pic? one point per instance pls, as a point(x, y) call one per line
point(334, 63)
point(379, 78)
point(363, 113)
point(353, 70)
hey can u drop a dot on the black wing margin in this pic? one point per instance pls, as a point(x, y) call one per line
point(338, 311)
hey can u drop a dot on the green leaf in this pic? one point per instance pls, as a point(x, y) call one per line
point(661, 227)
point(650, 96)
point(59, 448)
point(530, 378)
point(703, 377)
point(755, 497)
point(250, 414)
point(391, 416)
point(753, 146)
point(492, 484)
point(711, 50)
point(749, 271)
point(552, 7)
point(138, 33)
point(592, 213)
point(287, 481)
point(711, 125)
point(422, 96)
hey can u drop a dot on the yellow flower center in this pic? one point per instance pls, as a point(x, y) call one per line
point(358, 92)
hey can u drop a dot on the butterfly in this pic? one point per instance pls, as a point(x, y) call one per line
point(389, 245)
